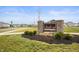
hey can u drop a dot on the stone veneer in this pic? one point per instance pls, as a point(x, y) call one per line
point(51, 26)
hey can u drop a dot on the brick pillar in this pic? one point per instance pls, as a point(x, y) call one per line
point(40, 26)
point(60, 25)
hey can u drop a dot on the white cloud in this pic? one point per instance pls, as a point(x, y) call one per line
point(63, 12)
point(12, 10)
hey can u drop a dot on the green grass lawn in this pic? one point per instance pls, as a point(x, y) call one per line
point(16, 43)
point(66, 29)
point(71, 29)
point(6, 29)
point(25, 29)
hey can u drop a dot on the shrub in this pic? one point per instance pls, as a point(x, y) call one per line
point(30, 33)
point(34, 32)
point(26, 32)
point(67, 36)
point(59, 35)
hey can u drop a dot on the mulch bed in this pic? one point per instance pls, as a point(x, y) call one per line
point(51, 39)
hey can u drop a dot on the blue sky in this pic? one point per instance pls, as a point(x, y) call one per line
point(29, 14)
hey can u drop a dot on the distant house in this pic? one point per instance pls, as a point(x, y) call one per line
point(4, 25)
point(71, 24)
point(19, 25)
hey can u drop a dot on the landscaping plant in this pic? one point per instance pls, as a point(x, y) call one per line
point(59, 35)
point(30, 33)
point(67, 36)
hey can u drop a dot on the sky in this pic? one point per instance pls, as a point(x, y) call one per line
point(29, 14)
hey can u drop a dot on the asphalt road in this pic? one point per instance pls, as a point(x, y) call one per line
point(12, 32)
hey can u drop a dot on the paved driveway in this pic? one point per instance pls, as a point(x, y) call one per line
point(11, 32)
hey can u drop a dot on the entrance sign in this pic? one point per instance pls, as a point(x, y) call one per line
point(51, 26)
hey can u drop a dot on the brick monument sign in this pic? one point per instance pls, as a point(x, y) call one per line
point(51, 26)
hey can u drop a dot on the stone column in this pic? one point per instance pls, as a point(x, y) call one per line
point(60, 25)
point(40, 26)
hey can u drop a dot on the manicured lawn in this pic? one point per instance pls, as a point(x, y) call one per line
point(26, 29)
point(71, 29)
point(20, 44)
point(66, 29)
point(6, 29)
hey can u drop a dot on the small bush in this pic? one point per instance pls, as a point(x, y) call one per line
point(34, 32)
point(67, 36)
point(59, 35)
point(30, 33)
point(26, 32)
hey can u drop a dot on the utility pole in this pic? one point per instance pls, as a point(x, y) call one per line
point(39, 18)
point(11, 22)
point(39, 12)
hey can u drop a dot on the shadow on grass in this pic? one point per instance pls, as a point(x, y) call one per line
point(51, 40)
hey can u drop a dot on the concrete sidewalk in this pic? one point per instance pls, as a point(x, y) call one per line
point(11, 33)
point(71, 33)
